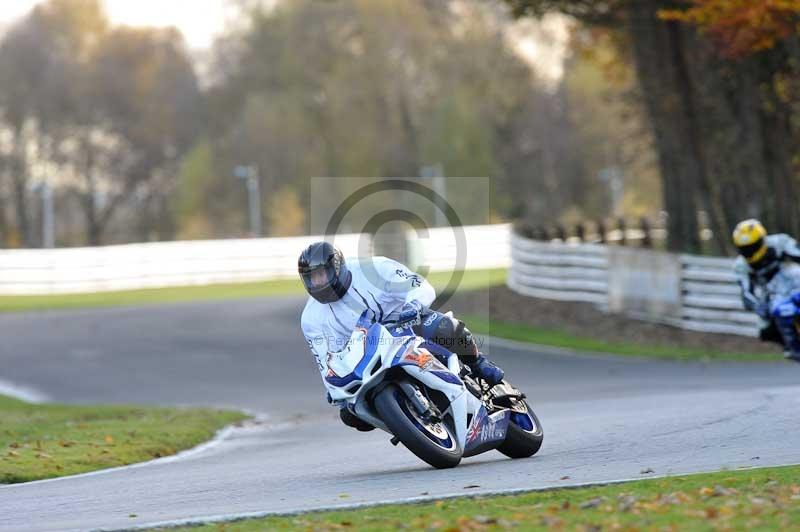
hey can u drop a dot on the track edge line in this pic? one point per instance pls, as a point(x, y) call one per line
point(220, 436)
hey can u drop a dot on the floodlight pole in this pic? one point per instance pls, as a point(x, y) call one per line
point(44, 189)
point(48, 217)
point(251, 177)
point(436, 174)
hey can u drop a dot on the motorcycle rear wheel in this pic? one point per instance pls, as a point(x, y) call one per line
point(524, 437)
point(434, 443)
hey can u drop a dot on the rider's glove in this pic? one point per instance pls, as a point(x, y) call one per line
point(410, 313)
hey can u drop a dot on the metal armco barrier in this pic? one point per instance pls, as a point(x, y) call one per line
point(711, 298)
point(708, 297)
point(564, 272)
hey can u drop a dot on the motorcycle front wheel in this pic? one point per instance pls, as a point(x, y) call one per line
point(525, 435)
point(432, 442)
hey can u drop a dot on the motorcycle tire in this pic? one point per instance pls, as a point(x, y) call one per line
point(435, 444)
point(523, 441)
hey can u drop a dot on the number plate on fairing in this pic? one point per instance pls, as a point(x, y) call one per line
point(487, 429)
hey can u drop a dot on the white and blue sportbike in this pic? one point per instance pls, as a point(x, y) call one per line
point(427, 400)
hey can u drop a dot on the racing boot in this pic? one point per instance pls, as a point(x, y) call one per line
point(486, 370)
point(351, 420)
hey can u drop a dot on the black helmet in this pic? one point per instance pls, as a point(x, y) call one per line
point(324, 273)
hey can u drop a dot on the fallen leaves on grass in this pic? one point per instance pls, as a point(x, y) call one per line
point(717, 491)
point(625, 503)
point(719, 504)
point(551, 521)
point(592, 503)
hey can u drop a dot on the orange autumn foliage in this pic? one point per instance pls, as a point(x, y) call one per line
point(741, 27)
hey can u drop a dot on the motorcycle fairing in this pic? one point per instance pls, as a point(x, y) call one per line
point(486, 431)
point(349, 364)
point(374, 350)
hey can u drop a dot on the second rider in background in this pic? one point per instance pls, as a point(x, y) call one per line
point(761, 257)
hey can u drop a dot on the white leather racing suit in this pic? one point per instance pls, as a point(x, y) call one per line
point(754, 284)
point(380, 286)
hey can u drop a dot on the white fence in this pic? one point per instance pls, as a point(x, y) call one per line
point(709, 299)
point(564, 272)
point(162, 264)
point(155, 265)
point(485, 247)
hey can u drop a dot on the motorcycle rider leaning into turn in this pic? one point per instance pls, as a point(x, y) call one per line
point(342, 290)
point(761, 257)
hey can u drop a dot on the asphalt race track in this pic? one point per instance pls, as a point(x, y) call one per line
point(604, 418)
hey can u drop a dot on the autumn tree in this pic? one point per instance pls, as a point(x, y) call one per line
point(37, 58)
point(718, 79)
point(142, 90)
point(102, 113)
point(370, 88)
point(741, 27)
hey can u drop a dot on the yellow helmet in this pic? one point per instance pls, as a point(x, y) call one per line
point(749, 237)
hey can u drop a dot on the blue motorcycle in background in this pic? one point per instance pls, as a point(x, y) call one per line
point(783, 304)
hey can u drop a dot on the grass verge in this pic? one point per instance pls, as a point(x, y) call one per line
point(470, 281)
point(760, 499)
point(150, 296)
point(53, 440)
point(552, 337)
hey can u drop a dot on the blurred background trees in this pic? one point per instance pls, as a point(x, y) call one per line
point(719, 80)
point(103, 114)
point(679, 110)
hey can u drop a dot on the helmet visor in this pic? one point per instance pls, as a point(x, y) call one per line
point(751, 251)
point(318, 278)
point(321, 282)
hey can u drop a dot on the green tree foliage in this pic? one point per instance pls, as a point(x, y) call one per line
point(380, 88)
point(114, 117)
point(193, 205)
point(608, 115)
point(287, 216)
